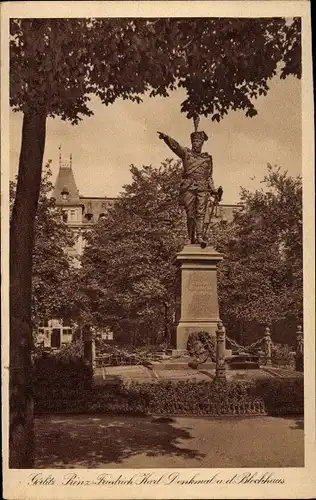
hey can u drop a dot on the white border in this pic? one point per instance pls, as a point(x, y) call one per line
point(299, 482)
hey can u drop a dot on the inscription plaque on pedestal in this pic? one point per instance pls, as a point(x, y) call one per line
point(197, 299)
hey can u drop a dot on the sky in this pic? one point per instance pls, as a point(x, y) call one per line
point(105, 145)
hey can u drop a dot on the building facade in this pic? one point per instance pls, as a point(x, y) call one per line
point(79, 212)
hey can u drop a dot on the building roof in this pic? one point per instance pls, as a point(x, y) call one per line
point(65, 183)
point(95, 206)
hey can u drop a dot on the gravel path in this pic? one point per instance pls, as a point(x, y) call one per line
point(100, 441)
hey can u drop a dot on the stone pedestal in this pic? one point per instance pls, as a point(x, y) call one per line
point(196, 296)
point(89, 348)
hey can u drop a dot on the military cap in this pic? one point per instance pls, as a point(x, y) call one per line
point(201, 135)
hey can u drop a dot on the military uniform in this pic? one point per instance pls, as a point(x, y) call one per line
point(197, 181)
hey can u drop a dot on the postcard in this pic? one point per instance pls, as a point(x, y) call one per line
point(157, 250)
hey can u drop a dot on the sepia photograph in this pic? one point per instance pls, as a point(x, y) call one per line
point(153, 233)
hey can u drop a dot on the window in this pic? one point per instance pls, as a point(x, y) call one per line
point(55, 323)
point(72, 215)
point(43, 323)
point(65, 193)
point(66, 335)
point(65, 216)
point(107, 335)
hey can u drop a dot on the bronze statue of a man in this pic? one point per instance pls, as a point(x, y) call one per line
point(197, 182)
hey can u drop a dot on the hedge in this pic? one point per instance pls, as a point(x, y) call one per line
point(282, 396)
point(279, 396)
point(51, 372)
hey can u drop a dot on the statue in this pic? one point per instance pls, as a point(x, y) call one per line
point(267, 346)
point(299, 358)
point(299, 341)
point(197, 186)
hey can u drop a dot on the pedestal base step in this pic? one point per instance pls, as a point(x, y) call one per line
point(181, 364)
point(244, 366)
point(243, 362)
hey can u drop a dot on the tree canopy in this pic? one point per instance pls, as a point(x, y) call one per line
point(52, 269)
point(223, 63)
point(261, 277)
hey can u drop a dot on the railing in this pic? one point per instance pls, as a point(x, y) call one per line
point(255, 407)
point(119, 356)
point(266, 344)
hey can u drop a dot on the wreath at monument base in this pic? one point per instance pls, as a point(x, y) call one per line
point(202, 346)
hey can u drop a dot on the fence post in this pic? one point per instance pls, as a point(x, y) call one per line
point(267, 346)
point(93, 355)
point(220, 351)
point(89, 347)
point(299, 357)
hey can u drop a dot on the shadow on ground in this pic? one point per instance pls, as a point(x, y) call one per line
point(66, 442)
point(298, 424)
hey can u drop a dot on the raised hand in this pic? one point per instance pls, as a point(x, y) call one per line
point(220, 193)
point(161, 135)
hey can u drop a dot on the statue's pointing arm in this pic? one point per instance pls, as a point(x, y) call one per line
point(172, 144)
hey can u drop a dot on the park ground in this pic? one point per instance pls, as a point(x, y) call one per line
point(102, 441)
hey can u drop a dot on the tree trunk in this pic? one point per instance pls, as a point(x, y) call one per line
point(21, 442)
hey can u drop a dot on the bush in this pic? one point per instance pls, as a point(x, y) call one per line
point(158, 397)
point(282, 355)
point(278, 396)
point(71, 351)
point(66, 369)
point(282, 396)
point(194, 398)
point(299, 363)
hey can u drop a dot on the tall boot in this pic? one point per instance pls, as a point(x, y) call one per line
point(199, 231)
point(191, 229)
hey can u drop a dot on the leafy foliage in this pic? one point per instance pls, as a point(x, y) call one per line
point(261, 277)
point(62, 371)
point(127, 272)
point(53, 273)
point(50, 61)
point(162, 397)
point(223, 63)
point(282, 355)
point(226, 63)
point(282, 396)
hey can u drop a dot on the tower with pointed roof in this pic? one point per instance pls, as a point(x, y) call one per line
point(67, 198)
point(65, 191)
point(79, 212)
